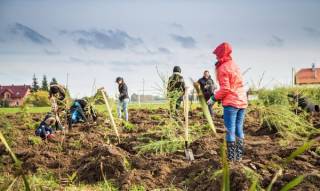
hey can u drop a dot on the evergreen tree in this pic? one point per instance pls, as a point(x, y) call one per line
point(44, 85)
point(35, 85)
point(53, 81)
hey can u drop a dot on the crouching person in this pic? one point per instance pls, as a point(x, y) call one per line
point(233, 98)
point(45, 130)
point(77, 113)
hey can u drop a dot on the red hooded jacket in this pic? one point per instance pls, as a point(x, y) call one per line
point(231, 91)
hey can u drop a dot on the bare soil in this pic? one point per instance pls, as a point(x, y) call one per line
point(91, 150)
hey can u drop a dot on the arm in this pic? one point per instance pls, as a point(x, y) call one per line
point(224, 82)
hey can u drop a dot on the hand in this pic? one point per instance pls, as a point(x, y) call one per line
point(211, 100)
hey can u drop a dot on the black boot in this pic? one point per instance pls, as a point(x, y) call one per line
point(239, 149)
point(231, 150)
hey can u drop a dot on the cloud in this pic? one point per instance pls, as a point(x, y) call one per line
point(312, 32)
point(185, 41)
point(164, 50)
point(177, 26)
point(51, 52)
point(276, 41)
point(26, 32)
point(100, 39)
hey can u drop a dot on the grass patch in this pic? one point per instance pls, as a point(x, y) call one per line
point(34, 140)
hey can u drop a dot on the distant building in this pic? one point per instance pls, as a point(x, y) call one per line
point(145, 98)
point(308, 76)
point(14, 95)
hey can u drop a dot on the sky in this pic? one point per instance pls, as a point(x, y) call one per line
point(93, 42)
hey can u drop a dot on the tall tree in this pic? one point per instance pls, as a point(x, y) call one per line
point(53, 81)
point(35, 85)
point(44, 85)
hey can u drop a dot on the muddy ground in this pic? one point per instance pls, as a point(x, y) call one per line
point(92, 150)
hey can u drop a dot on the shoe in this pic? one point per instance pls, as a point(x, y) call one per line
point(239, 149)
point(231, 150)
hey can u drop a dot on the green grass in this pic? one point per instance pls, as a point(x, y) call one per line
point(100, 108)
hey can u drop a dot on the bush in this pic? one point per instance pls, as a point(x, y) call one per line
point(39, 99)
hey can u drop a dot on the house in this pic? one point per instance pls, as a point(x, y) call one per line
point(308, 76)
point(14, 95)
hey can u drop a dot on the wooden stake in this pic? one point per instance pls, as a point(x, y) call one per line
point(110, 113)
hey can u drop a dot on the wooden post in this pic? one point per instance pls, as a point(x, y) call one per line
point(186, 114)
point(110, 113)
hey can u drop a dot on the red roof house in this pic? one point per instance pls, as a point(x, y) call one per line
point(307, 76)
point(14, 95)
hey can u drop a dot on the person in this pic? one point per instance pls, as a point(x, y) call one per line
point(207, 86)
point(175, 89)
point(233, 98)
point(77, 112)
point(44, 130)
point(123, 98)
point(57, 96)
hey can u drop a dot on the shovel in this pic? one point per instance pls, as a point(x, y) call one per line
point(188, 152)
point(103, 92)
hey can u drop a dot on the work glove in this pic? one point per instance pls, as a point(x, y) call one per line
point(211, 101)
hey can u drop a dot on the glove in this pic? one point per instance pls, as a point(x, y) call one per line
point(211, 101)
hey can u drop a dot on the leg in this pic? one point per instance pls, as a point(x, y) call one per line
point(125, 108)
point(240, 134)
point(178, 102)
point(229, 116)
point(210, 109)
point(119, 109)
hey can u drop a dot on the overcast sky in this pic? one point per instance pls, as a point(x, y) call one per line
point(105, 39)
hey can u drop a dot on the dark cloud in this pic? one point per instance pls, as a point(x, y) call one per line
point(164, 50)
point(30, 34)
point(185, 41)
point(111, 39)
point(312, 32)
point(275, 41)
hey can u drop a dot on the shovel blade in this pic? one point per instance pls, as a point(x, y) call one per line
point(189, 154)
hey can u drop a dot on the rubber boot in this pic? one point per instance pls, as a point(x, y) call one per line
point(231, 150)
point(239, 149)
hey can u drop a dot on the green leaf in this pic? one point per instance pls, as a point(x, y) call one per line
point(296, 181)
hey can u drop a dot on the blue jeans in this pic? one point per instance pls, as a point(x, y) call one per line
point(233, 120)
point(123, 106)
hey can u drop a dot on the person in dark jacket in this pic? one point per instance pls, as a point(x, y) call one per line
point(45, 130)
point(123, 98)
point(175, 89)
point(207, 86)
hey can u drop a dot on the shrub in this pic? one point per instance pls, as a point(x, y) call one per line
point(39, 99)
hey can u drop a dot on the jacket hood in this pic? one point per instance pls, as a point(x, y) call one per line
point(223, 53)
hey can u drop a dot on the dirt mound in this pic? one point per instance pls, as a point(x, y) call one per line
point(106, 159)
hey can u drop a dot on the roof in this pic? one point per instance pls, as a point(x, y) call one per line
point(308, 76)
point(16, 91)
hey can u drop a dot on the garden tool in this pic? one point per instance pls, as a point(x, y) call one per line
point(204, 105)
point(56, 115)
point(188, 152)
point(103, 92)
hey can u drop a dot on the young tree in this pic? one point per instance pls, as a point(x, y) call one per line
point(35, 85)
point(44, 85)
point(53, 81)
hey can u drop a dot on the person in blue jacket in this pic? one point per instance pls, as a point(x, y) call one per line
point(45, 130)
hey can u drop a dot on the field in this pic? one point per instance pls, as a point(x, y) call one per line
point(150, 155)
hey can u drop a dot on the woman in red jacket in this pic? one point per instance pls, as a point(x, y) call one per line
point(233, 98)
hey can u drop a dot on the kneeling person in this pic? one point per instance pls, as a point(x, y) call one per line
point(45, 130)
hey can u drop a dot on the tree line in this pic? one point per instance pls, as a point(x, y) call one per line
point(35, 87)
